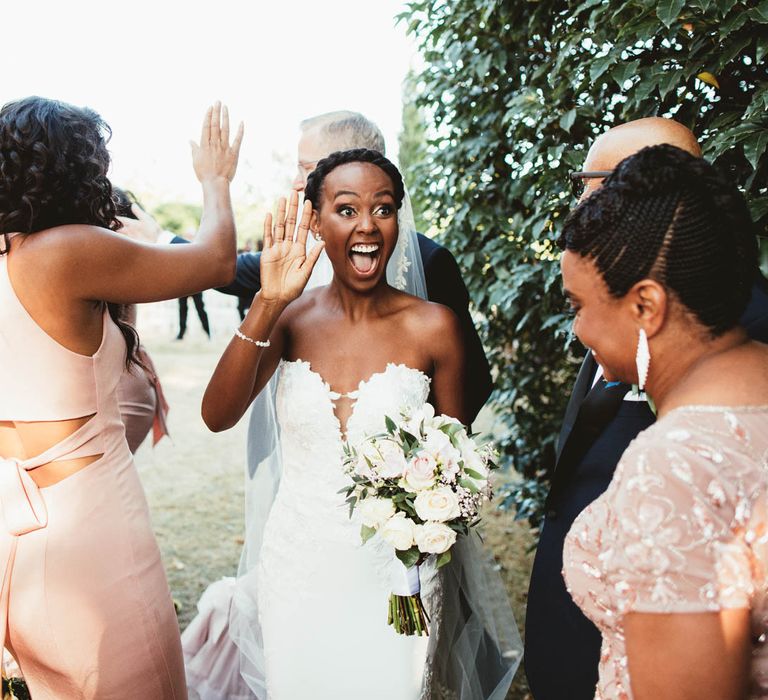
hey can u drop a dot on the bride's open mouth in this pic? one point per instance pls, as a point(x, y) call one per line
point(365, 258)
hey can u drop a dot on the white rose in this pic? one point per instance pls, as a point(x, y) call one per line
point(440, 504)
point(391, 463)
point(434, 538)
point(367, 454)
point(419, 473)
point(438, 444)
point(466, 444)
point(374, 512)
point(398, 531)
point(476, 463)
point(421, 416)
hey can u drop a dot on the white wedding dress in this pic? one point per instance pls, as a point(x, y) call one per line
point(307, 614)
point(322, 595)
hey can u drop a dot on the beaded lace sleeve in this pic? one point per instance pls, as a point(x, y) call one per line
point(688, 517)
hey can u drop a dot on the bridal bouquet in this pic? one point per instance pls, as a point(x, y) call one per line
point(419, 483)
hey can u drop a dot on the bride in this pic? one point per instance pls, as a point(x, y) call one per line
point(308, 612)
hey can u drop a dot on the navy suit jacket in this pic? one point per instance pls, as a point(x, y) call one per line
point(562, 647)
point(444, 286)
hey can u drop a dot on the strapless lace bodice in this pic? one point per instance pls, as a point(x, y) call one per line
point(311, 435)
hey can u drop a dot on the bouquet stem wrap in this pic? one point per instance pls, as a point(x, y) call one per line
point(406, 610)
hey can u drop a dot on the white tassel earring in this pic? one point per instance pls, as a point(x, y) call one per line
point(642, 359)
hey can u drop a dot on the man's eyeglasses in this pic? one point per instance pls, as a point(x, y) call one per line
point(577, 179)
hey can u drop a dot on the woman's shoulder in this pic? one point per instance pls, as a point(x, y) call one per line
point(64, 235)
point(300, 308)
point(429, 313)
point(59, 249)
point(698, 449)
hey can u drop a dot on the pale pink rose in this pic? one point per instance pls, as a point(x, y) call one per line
point(392, 462)
point(440, 505)
point(420, 472)
point(434, 538)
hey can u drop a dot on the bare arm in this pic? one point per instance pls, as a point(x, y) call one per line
point(245, 368)
point(98, 264)
point(689, 656)
point(448, 385)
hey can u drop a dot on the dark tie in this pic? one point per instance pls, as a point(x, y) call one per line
point(597, 409)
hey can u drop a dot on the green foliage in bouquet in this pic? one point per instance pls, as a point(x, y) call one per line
point(512, 93)
point(419, 484)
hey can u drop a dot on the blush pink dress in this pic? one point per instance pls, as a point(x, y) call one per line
point(84, 607)
point(682, 528)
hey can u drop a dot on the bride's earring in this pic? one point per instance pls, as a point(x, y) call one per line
point(317, 236)
point(642, 359)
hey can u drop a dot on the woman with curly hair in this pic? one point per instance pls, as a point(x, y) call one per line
point(85, 607)
point(671, 562)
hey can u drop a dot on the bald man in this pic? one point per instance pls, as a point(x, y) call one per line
point(562, 647)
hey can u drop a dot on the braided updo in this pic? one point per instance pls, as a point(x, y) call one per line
point(314, 187)
point(666, 215)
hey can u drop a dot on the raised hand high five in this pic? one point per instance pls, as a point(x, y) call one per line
point(214, 157)
point(285, 263)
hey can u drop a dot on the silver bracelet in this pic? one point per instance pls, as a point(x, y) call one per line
point(260, 343)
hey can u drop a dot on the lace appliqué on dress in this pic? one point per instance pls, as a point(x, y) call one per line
point(683, 527)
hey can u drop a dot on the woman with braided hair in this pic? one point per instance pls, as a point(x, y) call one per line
point(671, 563)
point(308, 609)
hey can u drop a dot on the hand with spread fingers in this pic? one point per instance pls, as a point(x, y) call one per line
point(285, 264)
point(214, 157)
point(142, 228)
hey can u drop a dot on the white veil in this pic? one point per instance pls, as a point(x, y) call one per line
point(477, 648)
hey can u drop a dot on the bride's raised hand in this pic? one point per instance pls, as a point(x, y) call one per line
point(214, 157)
point(285, 263)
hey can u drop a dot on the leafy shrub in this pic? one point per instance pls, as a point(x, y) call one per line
point(513, 92)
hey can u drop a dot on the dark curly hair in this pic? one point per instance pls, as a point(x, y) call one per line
point(314, 187)
point(666, 215)
point(53, 171)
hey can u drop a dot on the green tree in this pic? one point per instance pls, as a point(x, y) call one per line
point(412, 150)
point(516, 90)
point(178, 217)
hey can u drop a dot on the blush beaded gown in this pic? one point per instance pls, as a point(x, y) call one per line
point(682, 528)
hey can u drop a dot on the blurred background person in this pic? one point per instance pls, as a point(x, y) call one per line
point(140, 395)
point(197, 300)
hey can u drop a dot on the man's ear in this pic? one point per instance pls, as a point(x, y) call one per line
point(649, 304)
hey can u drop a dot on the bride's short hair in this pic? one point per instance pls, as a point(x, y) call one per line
point(314, 186)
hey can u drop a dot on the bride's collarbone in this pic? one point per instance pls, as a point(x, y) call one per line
point(344, 375)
